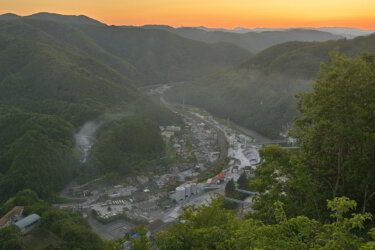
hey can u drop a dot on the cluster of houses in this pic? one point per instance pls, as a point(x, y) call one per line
point(24, 223)
point(169, 131)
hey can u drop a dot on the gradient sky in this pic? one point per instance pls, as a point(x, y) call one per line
point(210, 13)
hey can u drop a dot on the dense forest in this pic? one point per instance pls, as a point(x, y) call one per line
point(36, 152)
point(144, 56)
point(259, 93)
point(48, 90)
point(126, 146)
point(58, 72)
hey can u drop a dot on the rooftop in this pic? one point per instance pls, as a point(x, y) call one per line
point(27, 221)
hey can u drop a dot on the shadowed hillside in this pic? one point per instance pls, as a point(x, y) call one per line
point(260, 93)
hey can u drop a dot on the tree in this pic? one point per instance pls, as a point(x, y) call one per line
point(10, 239)
point(340, 234)
point(243, 182)
point(211, 227)
point(283, 177)
point(336, 129)
point(230, 188)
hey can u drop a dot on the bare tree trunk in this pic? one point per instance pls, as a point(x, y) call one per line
point(364, 200)
point(339, 170)
point(367, 200)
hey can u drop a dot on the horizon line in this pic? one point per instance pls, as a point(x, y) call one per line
point(199, 26)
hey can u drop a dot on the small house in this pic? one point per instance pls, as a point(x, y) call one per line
point(28, 223)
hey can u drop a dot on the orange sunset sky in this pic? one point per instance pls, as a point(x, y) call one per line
point(210, 13)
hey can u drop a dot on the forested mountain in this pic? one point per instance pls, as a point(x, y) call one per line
point(36, 152)
point(144, 56)
point(44, 78)
point(251, 41)
point(260, 93)
point(67, 67)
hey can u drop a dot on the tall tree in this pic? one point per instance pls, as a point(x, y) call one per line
point(230, 188)
point(243, 182)
point(336, 129)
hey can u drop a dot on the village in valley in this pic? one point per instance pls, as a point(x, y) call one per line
point(202, 156)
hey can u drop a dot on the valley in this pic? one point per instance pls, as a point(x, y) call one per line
point(158, 137)
point(203, 152)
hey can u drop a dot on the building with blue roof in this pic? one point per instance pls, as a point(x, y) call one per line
point(28, 223)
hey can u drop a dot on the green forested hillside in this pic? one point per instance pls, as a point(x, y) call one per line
point(75, 69)
point(260, 93)
point(162, 56)
point(36, 152)
point(44, 78)
point(126, 145)
point(142, 55)
point(51, 88)
point(57, 91)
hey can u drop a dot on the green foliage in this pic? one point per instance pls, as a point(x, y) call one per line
point(216, 228)
point(243, 182)
point(279, 211)
point(46, 77)
point(336, 129)
point(371, 244)
point(283, 177)
point(10, 239)
point(230, 188)
point(127, 145)
point(336, 135)
point(142, 242)
point(155, 56)
point(59, 80)
point(36, 152)
point(74, 231)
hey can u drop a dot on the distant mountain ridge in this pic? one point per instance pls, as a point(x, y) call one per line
point(342, 31)
point(73, 19)
point(251, 41)
point(146, 56)
point(346, 32)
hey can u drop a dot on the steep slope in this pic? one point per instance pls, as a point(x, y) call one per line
point(260, 93)
point(251, 41)
point(162, 56)
point(144, 56)
point(66, 35)
point(41, 78)
point(36, 152)
point(56, 89)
